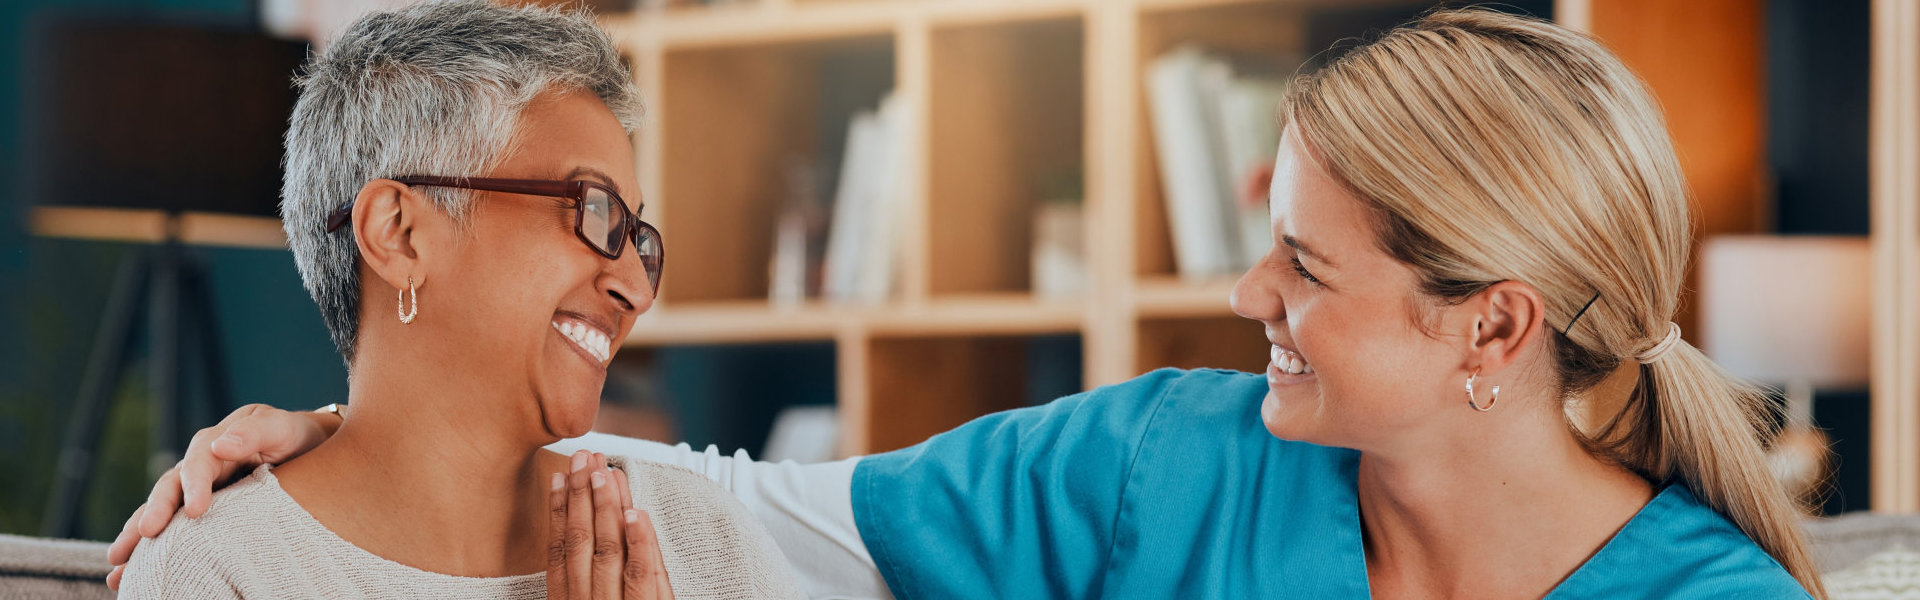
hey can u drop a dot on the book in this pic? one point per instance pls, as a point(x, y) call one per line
point(1249, 131)
point(1216, 127)
point(1203, 229)
point(862, 241)
point(879, 265)
point(852, 202)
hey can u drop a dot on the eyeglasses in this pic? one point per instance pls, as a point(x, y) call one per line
point(601, 218)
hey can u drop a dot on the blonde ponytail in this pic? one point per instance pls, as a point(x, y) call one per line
point(1500, 148)
point(1688, 420)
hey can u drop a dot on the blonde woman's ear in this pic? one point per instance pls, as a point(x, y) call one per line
point(1509, 321)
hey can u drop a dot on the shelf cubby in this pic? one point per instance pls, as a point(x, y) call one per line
point(1202, 342)
point(732, 121)
point(918, 386)
point(1006, 123)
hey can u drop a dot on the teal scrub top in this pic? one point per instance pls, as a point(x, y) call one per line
point(1169, 486)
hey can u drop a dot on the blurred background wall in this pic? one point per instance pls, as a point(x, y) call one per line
point(729, 352)
point(55, 291)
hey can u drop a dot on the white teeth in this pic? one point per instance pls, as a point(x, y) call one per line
point(587, 338)
point(1289, 362)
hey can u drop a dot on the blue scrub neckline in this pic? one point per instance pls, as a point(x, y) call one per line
point(1667, 494)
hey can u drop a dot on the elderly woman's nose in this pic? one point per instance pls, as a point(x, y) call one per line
point(625, 283)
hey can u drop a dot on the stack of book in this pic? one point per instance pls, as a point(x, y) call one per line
point(859, 263)
point(1216, 128)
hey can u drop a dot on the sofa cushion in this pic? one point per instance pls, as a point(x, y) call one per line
point(1884, 576)
point(1843, 541)
point(44, 568)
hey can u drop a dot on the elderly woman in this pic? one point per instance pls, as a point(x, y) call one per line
point(473, 162)
point(1480, 219)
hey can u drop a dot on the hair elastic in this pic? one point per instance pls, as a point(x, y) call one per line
point(1660, 349)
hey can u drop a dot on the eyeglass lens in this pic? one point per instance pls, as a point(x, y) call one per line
point(604, 222)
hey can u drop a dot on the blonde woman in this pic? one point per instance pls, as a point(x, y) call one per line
point(1481, 218)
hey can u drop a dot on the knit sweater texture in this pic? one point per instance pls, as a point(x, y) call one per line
point(255, 541)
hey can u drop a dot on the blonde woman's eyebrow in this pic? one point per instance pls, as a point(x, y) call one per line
point(1296, 244)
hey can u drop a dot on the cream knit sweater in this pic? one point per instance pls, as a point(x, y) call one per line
point(256, 542)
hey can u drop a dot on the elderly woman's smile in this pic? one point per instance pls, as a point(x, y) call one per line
point(592, 340)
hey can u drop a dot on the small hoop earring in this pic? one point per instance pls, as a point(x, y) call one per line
point(1470, 400)
point(406, 316)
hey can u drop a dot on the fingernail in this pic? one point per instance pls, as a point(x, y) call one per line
point(579, 461)
point(633, 516)
point(599, 480)
point(559, 481)
point(223, 440)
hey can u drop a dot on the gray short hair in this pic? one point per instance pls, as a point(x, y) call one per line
point(433, 89)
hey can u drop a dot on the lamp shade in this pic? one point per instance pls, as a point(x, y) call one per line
point(1787, 309)
point(164, 115)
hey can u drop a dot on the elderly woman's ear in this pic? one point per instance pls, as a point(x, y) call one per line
point(387, 216)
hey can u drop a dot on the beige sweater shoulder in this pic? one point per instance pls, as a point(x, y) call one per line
point(255, 541)
point(713, 547)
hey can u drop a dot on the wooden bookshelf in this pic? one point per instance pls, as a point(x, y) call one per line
point(1895, 181)
point(1006, 92)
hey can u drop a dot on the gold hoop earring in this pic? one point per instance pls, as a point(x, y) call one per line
point(1470, 400)
point(406, 316)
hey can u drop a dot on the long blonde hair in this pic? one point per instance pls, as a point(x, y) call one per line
point(1500, 148)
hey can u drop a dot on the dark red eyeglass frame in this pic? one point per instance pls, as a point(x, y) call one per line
point(626, 224)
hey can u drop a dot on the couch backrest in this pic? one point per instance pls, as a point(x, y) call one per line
point(1843, 541)
point(44, 568)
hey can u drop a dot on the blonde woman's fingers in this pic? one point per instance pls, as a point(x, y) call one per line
point(161, 504)
point(267, 436)
point(254, 434)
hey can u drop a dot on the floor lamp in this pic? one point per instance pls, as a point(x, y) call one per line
point(1789, 311)
point(150, 123)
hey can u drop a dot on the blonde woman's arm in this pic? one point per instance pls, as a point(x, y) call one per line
point(807, 508)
